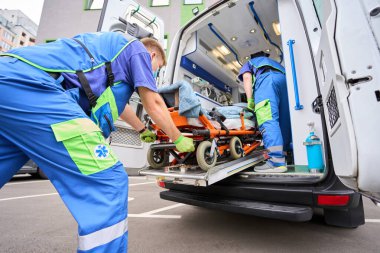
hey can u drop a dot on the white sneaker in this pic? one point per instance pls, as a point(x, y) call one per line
point(269, 168)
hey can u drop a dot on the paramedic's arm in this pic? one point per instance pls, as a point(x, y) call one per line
point(247, 80)
point(130, 117)
point(157, 110)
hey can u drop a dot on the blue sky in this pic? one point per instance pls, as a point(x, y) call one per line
point(31, 8)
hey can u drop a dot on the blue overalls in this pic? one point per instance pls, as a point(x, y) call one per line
point(48, 120)
point(272, 107)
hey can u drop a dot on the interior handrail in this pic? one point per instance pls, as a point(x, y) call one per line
point(213, 30)
point(294, 74)
point(266, 35)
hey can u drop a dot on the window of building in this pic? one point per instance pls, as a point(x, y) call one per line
point(93, 4)
point(4, 46)
point(21, 42)
point(156, 3)
point(23, 34)
point(192, 2)
point(49, 40)
point(32, 40)
point(8, 36)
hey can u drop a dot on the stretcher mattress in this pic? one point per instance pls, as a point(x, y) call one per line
point(229, 123)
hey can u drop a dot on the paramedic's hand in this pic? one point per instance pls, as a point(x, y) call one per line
point(184, 144)
point(251, 104)
point(148, 136)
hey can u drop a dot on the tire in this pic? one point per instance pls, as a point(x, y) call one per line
point(204, 160)
point(157, 158)
point(236, 146)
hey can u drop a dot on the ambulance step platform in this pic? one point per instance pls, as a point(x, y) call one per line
point(193, 175)
point(272, 210)
point(296, 174)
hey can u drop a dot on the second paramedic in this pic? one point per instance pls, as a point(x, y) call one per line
point(265, 86)
point(58, 101)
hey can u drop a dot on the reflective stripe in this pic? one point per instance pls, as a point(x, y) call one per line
point(275, 148)
point(277, 159)
point(64, 70)
point(103, 236)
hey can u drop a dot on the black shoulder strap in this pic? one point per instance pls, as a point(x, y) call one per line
point(86, 87)
point(110, 76)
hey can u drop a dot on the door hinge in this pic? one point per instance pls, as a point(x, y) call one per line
point(317, 104)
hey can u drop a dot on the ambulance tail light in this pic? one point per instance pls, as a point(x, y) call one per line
point(333, 200)
point(161, 183)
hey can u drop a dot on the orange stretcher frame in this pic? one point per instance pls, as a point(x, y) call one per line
point(212, 133)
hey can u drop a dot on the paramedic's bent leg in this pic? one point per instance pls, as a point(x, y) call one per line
point(49, 127)
point(11, 159)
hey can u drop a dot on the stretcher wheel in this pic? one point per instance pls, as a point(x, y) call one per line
point(157, 158)
point(236, 148)
point(205, 161)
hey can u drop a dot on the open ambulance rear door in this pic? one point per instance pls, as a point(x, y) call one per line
point(129, 17)
point(346, 42)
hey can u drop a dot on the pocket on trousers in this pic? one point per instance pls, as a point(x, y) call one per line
point(263, 111)
point(103, 117)
point(85, 144)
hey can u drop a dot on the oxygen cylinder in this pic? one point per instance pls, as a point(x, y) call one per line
point(314, 151)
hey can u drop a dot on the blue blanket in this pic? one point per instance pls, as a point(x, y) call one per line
point(233, 111)
point(189, 105)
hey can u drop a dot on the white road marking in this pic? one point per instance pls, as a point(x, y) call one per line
point(44, 181)
point(29, 182)
point(142, 183)
point(163, 209)
point(154, 216)
point(29, 196)
point(41, 195)
point(137, 177)
point(373, 220)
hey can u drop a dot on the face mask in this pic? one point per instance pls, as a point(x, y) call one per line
point(155, 74)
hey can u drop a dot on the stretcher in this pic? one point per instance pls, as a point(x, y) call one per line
point(214, 141)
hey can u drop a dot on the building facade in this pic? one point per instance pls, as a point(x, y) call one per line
point(7, 36)
point(61, 18)
point(16, 30)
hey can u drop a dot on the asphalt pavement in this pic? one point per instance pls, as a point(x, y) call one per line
point(34, 219)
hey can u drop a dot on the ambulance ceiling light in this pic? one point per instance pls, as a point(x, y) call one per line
point(216, 53)
point(224, 50)
point(236, 64)
point(234, 38)
point(253, 30)
point(276, 28)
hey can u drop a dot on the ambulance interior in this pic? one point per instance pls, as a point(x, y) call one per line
point(212, 50)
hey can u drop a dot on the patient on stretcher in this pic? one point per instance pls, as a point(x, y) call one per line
point(181, 95)
point(223, 133)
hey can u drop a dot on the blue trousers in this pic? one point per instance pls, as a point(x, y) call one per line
point(271, 92)
point(91, 182)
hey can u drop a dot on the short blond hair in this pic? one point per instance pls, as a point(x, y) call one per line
point(154, 45)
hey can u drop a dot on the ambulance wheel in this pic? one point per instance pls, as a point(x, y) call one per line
point(236, 148)
point(157, 158)
point(205, 161)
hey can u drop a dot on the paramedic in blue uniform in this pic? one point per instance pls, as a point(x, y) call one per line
point(58, 101)
point(265, 87)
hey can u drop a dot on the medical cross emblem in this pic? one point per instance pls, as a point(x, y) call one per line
point(101, 151)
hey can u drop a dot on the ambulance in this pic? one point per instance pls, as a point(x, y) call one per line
point(330, 50)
